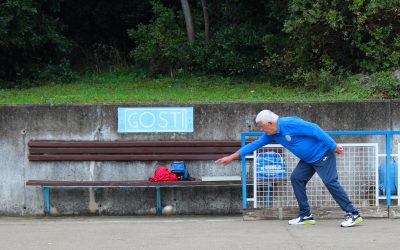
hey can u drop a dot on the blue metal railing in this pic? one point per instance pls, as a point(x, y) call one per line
point(387, 133)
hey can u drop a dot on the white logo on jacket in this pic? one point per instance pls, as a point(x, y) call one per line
point(288, 138)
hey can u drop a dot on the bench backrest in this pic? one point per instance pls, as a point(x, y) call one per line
point(129, 150)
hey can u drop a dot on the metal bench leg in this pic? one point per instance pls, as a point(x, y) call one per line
point(46, 195)
point(158, 201)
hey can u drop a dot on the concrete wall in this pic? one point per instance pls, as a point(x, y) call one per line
point(19, 124)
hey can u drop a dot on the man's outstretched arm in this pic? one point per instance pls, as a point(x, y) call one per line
point(227, 159)
point(263, 140)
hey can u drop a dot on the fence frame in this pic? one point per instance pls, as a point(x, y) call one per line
point(386, 133)
point(398, 166)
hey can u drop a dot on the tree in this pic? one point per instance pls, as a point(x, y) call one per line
point(188, 20)
point(206, 22)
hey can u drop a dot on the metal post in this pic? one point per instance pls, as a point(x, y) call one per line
point(244, 179)
point(46, 196)
point(388, 176)
point(158, 201)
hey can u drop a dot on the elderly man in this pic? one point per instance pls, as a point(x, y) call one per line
point(316, 150)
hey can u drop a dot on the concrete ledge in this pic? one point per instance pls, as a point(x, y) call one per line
point(394, 212)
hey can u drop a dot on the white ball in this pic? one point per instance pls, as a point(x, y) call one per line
point(153, 210)
point(167, 210)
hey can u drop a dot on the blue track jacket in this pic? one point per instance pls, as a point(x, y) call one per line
point(304, 139)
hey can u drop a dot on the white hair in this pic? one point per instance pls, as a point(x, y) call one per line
point(266, 116)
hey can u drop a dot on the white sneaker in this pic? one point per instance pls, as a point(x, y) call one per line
point(303, 220)
point(351, 220)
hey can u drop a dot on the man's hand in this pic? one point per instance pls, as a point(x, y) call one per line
point(227, 159)
point(339, 149)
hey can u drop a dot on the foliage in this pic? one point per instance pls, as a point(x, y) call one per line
point(357, 35)
point(237, 29)
point(161, 45)
point(384, 85)
point(279, 61)
point(234, 50)
point(32, 45)
point(313, 44)
point(321, 80)
point(98, 29)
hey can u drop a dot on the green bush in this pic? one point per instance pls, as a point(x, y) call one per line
point(279, 62)
point(161, 45)
point(358, 35)
point(321, 81)
point(32, 46)
point(384, 85)
point(327, 39)
point(233, 50)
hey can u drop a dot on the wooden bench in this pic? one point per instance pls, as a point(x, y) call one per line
point(40, 150)
point(127, 151)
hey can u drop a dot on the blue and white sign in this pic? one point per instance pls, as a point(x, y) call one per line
point(162, 119)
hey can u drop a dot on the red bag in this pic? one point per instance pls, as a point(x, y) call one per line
point(162, 173)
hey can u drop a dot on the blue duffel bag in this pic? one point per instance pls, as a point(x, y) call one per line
point(179, 168)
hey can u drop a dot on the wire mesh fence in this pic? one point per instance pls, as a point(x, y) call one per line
point(357, 170)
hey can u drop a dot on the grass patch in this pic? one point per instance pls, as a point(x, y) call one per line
point(127, 85)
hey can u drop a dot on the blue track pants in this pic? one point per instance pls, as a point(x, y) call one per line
point(326, 169)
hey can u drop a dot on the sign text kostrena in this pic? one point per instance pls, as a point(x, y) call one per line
point(155, 119)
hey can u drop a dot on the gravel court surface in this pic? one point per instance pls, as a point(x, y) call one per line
point(192, 232)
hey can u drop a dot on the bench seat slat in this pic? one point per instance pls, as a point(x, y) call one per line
point(44, 150)
point(134, 150)
point(117, 144)
point(140, 183)
point(124, 157)
point(133, 183)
